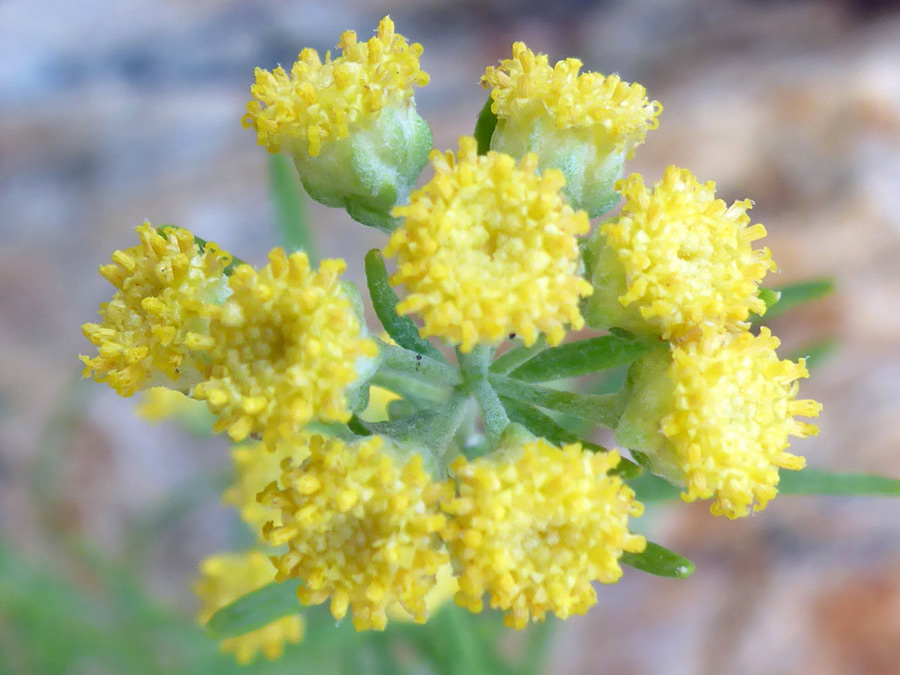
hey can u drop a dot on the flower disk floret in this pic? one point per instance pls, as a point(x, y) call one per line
point(489, 248)
point(715, 417)
point(283, 349)
point(527, 86)
point(677, 261)
point(533, 529)
point(360, 527)
point(163, 287)
point(321, 101)
point(227, 577)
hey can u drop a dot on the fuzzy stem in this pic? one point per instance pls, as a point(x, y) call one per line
point(421, 367)
point(517, 356)
point(598, 409)
point(475, 373)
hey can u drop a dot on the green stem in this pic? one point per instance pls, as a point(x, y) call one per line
point(416, 365)
point(429, 429)
point(411, 389)
point(474, 367)
point(517, 356)
point(492, 411)
point(598, 409)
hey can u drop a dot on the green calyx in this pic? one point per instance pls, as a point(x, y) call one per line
point(602, 309)
point(646, 397)
point(588, 159)
point(371, 170)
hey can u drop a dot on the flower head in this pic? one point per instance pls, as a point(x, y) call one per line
point(360, 528)
point(283, 349)
point(584, 124)
point(224, 579)
point(715, 416)
point(677, 260)
point(321, 102)
point(257, 465)
point(163, 285)
point(534, 529)
point(488, 248)
point(527, 87)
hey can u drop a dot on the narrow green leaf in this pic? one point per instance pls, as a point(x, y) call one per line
point(384, 300)
point(538, 423)
point(793, 295)
point(484, 127)
point(649, 488)
point(581, 358)
point(255, 610)
point(516, 356)
point(544, 426)
point(598, 409)
point(816, 482)
point(659, 561)
point(290, 214)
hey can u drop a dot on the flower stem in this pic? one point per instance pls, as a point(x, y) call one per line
point(475, 373)
point(599, 409)
point(421, 367)
point(518, 355)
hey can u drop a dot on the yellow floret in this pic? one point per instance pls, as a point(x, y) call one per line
point(729, 417)
point(526, 87)
point(445, 587)
point(359, 528)
point(686, 257)
point(320, 102)
point(257, 465)
point(224, 579)
point(488, 248)
point(163, 286)
point(283, 349)
point(533, 530)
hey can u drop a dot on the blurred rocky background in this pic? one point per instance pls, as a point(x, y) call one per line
point(116, 112)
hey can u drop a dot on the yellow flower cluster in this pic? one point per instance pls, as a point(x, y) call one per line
point(526, 87)
point(534, 529)
point(282, 349)
point(255, 466)
point(680, 260)
point(163, 285)
point(359, 528)
point(224, 579)
point(488, 248)
point(715, 415)
point(729, 418)
point(320, 102)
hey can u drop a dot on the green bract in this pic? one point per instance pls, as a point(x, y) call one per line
point(591, 171)
point(371, 170)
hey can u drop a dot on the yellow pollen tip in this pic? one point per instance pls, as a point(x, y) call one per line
point(526, 87)
point(318, 101)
